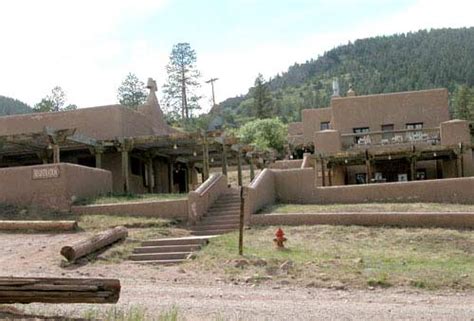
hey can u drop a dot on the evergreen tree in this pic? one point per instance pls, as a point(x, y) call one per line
point(10, 106)
point(261, 98)
point(183, 78)
point(54, 102)
point(464, 103)
point(132, 92)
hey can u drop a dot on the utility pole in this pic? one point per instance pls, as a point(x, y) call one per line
point(211, 81)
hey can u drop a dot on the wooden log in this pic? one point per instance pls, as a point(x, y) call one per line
point(94, 243)
point(58, 290)
point(38, 225)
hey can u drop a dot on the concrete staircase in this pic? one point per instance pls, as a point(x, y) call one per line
point(222, 217)
point(168, 250)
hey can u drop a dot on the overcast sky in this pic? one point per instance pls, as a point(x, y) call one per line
point(88, 46)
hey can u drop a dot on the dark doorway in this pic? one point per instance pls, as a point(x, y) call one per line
point(179, 179)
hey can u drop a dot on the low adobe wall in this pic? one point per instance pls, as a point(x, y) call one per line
point(412, 219)
point(286, 164)
point(298, 186)
point(174, 209)
point(53, 186)
point(204, 196)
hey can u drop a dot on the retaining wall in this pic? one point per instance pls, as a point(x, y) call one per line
point(173, 209)
point(53, 186)
point(412, 219)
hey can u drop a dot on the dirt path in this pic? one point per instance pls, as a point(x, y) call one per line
point(201, 297)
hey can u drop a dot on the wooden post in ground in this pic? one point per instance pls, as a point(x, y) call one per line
point(239, 167)
point(205, 159)
point(241, 222)
point(58, 290)
point(125, 171)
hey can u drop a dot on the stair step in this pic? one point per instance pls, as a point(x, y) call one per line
point(159, 256)
point(212, 232)
point(220, 218)
point(161, 262)
point(223, 213)
point(192, 240)
point(217, 226)
point(167, 248)
point(225, 207)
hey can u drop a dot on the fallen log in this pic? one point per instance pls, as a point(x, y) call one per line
point(94, 243)
point(58, 290)
point(38, 225)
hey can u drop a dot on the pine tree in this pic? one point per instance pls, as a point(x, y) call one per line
point(262, 98)
point(132, 91)
point(183, 79)
point(54, 102)
point(464, 103)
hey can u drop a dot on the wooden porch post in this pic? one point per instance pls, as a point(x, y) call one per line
point(330, 176)
point(171, 174)
point(151, 176)
point(56, 154)
point(125, 171)
point(224, 159)
point(98, 158)
point(413, 168)
point(252, 170)
point(368, 167)
point(323, 173)
point(205, 159)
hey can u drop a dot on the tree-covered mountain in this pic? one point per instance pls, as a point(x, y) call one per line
point(10, 106)
point(412, 61)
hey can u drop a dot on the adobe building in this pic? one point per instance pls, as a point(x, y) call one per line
point(140, 150)
point(393, 137)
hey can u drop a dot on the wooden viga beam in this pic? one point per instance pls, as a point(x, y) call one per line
point(58, 290)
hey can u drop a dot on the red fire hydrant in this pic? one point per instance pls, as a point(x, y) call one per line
point(279, 239)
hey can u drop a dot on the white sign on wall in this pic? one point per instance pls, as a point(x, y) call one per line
point(45, 173)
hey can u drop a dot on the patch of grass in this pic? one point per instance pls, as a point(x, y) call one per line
point(352, 255)
point(133, 313)
point(368, 207)
point(129, 198)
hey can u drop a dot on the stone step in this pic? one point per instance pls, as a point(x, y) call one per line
point(159, 262)
point(167, 248)
point(223, 213)
point(216, 226)
point(212, 232)
point(160, 256)
point(220, 218)
point(189, 240)
point(224, 206)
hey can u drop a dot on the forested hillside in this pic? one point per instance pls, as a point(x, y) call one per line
point(10, 106)
point(412, 61)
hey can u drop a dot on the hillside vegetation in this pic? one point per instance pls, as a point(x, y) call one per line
point(10, 106)
point(401, 62)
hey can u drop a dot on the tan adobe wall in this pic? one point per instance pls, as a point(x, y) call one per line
point(175, 209)
point(285, 164)
point(312, 119)
point(205, 195)
point(52, 186)
point(327, 141)
point(373, 111)
point(452, 190)
point(294, 185)
point(413, 219)
point(260, 193)
point(106, 122)
point(295, 128)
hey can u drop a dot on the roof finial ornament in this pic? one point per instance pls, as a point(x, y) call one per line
point(151, 84)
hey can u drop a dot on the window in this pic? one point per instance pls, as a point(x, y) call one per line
point(324, 125)
point(387, 132)
point(414, 134)
point(358, 139)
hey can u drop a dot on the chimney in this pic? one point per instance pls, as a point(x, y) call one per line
point(335, 87)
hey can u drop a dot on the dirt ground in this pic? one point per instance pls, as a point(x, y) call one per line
point(198, 296)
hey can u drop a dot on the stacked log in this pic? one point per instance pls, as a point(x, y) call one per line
point(58, 290)
point(94, 243)
point(38, 226)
